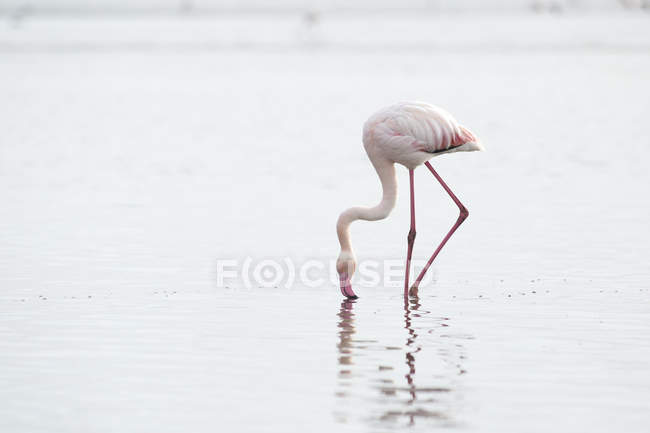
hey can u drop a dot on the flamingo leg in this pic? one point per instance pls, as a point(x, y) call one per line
point(411, 235)
point(463, 215)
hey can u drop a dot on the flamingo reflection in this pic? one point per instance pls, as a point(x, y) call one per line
point(398, 403)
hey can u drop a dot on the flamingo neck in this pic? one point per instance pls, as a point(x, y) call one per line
point(386, 172)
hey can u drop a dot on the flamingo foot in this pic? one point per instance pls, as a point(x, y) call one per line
point(346, 287)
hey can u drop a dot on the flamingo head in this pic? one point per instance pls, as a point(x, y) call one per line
point(345, 266)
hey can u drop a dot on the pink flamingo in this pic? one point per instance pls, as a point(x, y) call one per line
point(408, 133)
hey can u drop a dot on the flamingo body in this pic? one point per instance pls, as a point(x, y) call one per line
point(411, 133)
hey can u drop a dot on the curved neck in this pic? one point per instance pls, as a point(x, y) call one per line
point(386, 172)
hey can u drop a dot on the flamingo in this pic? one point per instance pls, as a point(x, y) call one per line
point(408, 133)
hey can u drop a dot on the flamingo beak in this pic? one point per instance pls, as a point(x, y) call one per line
point(346, 287)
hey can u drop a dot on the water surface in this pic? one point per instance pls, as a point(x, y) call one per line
point(127, 173)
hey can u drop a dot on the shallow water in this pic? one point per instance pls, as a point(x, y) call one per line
point(269, 360)
point(128, 172)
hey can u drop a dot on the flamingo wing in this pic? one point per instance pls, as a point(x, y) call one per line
point(430, 128)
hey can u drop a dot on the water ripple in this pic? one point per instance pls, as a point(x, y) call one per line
point(398, 384)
